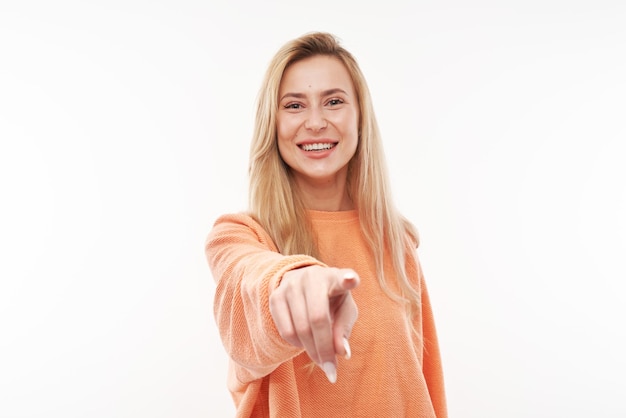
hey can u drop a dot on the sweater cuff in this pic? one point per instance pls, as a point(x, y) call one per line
point(292, 262)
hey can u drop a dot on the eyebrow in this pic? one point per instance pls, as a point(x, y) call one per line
point(324, 93)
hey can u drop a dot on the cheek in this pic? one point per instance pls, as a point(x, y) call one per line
point(283, 139)
point(352, 125)
point(285, 128)
point(350, 118)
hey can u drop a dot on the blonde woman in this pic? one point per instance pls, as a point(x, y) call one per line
point(320, 300)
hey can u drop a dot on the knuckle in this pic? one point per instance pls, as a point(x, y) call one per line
point(302, 329)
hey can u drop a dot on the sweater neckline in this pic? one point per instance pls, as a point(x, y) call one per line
point(342, 215)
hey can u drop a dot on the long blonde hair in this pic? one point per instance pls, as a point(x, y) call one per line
point(274, 200)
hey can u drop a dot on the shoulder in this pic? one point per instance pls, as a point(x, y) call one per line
point(239, 226)
point(411, 233)
point(238, 218)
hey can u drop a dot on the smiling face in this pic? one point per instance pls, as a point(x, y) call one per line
point(317, 121)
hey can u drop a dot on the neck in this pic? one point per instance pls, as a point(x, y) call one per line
point(328, 197)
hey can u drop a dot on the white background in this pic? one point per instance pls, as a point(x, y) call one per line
point(124, 129)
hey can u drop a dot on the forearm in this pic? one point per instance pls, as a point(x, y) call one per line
point(246, 268)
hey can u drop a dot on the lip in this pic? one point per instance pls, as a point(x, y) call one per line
point(317, 154)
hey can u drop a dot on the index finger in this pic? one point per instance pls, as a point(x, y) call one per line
point(345, 280)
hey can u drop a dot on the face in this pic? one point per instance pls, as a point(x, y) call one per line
point(317, 120)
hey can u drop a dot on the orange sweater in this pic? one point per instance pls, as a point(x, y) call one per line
point(390, 373)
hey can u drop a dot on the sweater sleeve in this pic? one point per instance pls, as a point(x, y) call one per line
point(246, 267)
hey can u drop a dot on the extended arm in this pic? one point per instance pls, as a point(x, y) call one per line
point(247, 268)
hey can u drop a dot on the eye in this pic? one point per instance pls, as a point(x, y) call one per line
point(294, 106)
point(335, 102)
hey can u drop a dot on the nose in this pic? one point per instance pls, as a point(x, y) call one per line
point(315, 120)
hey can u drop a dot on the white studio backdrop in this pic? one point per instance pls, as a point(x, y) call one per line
point(124, 130)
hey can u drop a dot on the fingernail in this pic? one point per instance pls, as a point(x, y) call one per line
point(346, 346)
point(331, 371)
point(349, 275)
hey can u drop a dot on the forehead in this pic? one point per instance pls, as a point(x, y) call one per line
point(320, 72)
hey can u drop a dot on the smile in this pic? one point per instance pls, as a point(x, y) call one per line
point(317, 146)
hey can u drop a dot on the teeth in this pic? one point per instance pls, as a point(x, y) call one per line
point(317, 147)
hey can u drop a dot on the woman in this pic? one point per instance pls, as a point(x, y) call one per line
point(322, 244)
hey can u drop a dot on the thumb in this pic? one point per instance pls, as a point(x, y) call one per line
point(346, 312)
point(344, 319)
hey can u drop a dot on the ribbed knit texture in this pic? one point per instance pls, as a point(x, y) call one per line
point(391, 372)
